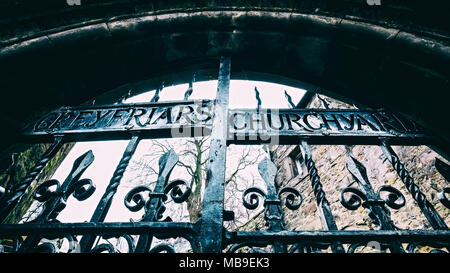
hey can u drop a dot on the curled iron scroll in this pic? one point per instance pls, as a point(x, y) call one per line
point(162, 247)
point(176, 192)
point(355, 200)
point(292, 195)
point(44, 191)
point(134, 200)
point(108, 247)
point(437, 245)
point(394, 199)
point(253, 193)
point(82, 189)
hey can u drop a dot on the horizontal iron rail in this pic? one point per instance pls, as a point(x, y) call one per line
point(135, 228)
point(404, 236)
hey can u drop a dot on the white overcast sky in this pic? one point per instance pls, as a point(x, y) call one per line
point(108, 153)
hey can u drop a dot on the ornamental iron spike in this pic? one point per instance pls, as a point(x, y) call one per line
point(190, 89)
point(55, 201)
point(289, 99)
point(154, 206)
point(258, 99)
point(273, 212)
point(373, 202)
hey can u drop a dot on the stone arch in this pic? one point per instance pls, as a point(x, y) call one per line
point(52, 54)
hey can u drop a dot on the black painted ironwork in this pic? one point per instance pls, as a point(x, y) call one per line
point(55, 200)
point(426, 207)
point(444, 169)
point(366, 197)
point(213, 206)
point(323, 126)
point(154, 205)
point(106, 200)
point(187, 118)
point(273, 212)
point(322, 202)
point(12, 197)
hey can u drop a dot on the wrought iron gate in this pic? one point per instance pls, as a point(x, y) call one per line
point(289, 126)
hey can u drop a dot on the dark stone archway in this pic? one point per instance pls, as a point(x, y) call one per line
point(394, 56)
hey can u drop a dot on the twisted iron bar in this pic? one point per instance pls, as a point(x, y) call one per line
point(425, 206)
point(322, 202)
point(13, 196)
point(106, 200)
point(314, 177)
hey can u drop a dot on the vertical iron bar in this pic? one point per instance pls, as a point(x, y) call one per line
point(212, 212)
point(13, 196)
point(273, 211)
point(322, 202)
point(103, 206)
point(425, 206)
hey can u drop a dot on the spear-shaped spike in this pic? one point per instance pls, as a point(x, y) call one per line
point(357, 169)
point(289, 98)
point(156, 96)
point(126, 96)
point(167, 162)
point(81, 164)
point(324, 102)
point(258, 98)
point(190, 89)
point(268, 171)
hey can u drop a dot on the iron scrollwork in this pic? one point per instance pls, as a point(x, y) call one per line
point(136, 199)
point(54, 195)
point(273, 213)
point(292, 197)
point(375, 203)
point(153, 200)
point(108, 247)
point(55, 199)
point(357, 198)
